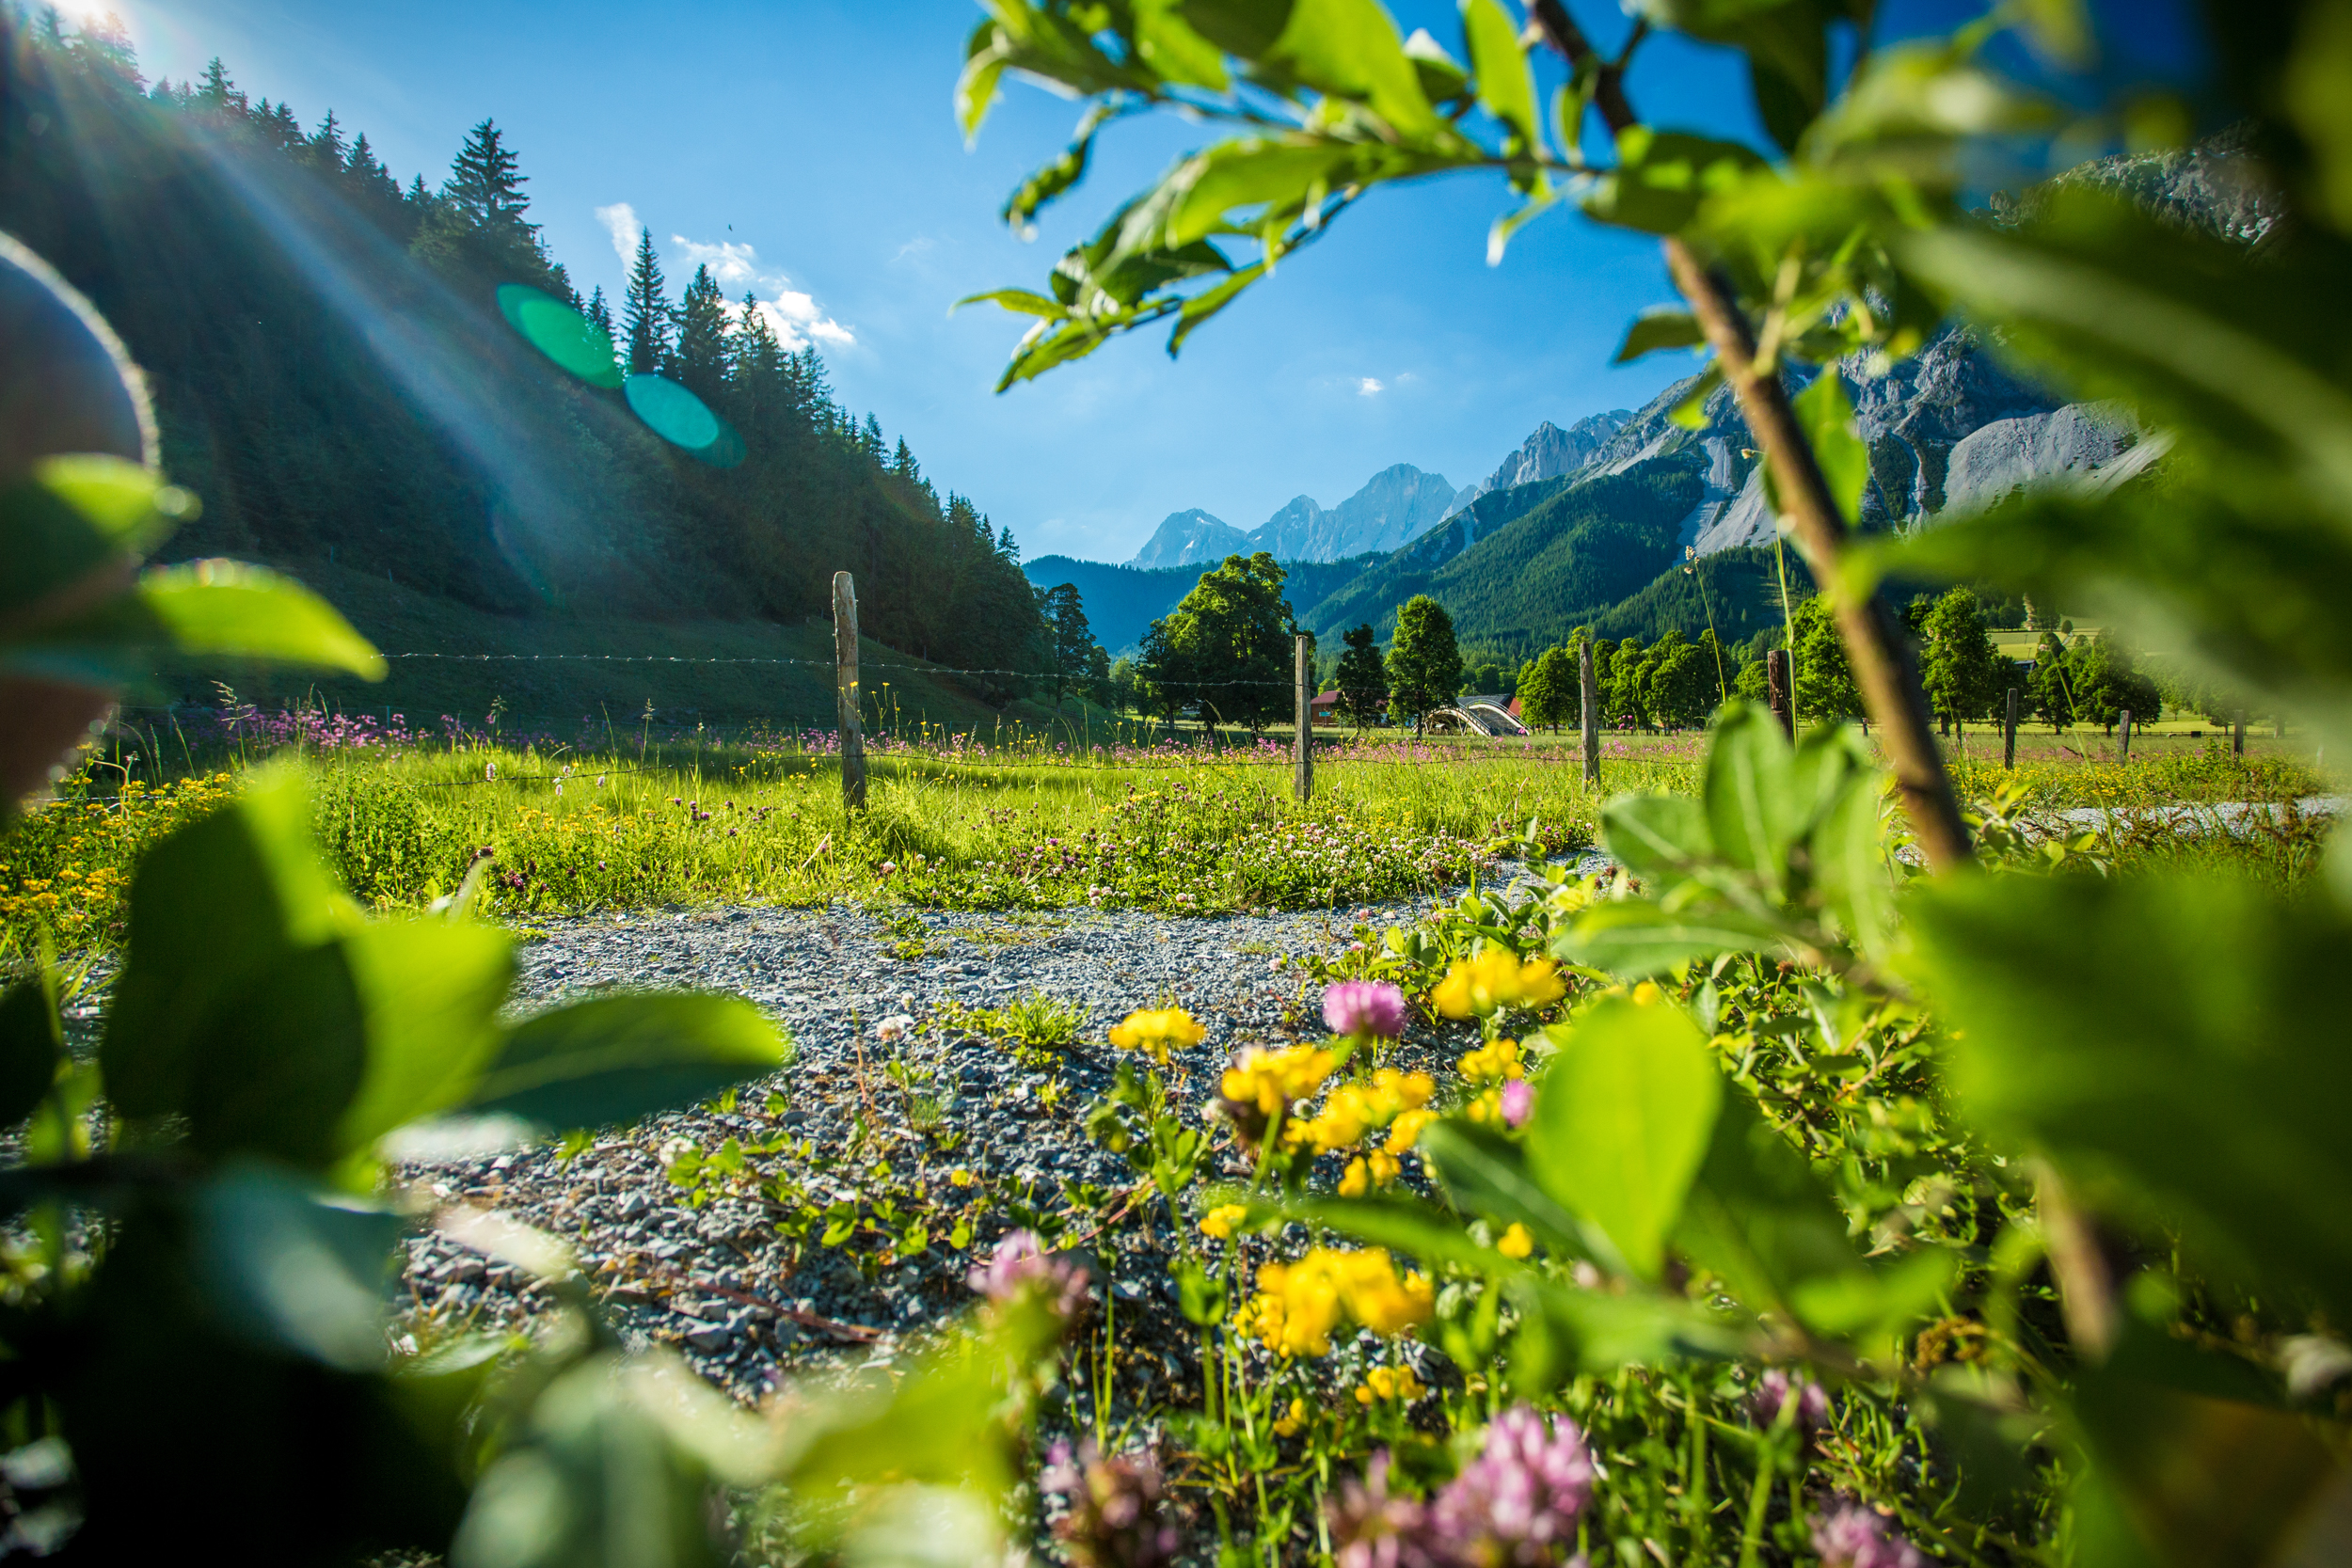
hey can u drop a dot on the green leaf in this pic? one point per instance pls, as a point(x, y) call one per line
point(214, 908)
point(1219, 186)
point(1506, 84)
point(1208, 302)
point(1565, 1332)
point(1442, 78)
point(2199, 1459)
point(1658, 837)
point(2162, 1041)
point(1051, 182)
point(288, 1269)
point(432, 990)
point(1487, 1174)
point(1199, 1293)
point(276, 1063)
point(1785, 42)
point(1638, 939)
point(618, 1059)
point(1020, 301)
point(207, 609)
point(1662, 326)
point(70, 517)
point(1827, 416)
point(1351, 48)
point(32, 1047)
point(1691, 413)
point(1851, 868)
point(1760, 1218)
point(1621, 1122)
point(1167, 44)
point(1662, 176)
point(1750, 792)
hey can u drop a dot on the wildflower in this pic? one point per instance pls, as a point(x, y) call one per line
point(898, 1026)
point(1516, 1101)
point(1155, 1033)
point(1366, 1171)
point(1406, 1130)
point(1018, 1264)
point(1489, 1063)
point(1853, 1536)
point(490, 772)
point(1298, 1305)
point(1383, 1383)
point(1288, 1424)
point(889, 868)
point(1773, 1390)
point(1516, 1242)
point(1119, 1508)
point(1370, 1529)
point(1355, 1109)
point(1220, 1221)
point(1494, 979)
point(960, 1177)
point(1364, 1008)
point(1517, 1501)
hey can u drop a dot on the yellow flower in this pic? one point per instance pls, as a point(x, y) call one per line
point(1220, 1221)
point(1155, 1033)
point(1487, 1107)
point(1288, 1424)
point(1647, 992)
point(1298, 1305)
point(1356, 1109)
point(1489, 1063)
point(1494, 978)
point(1515, 1241)
point(1406, 1130)
point(1384, 1383)
point(1356, 1181)
point(961, 1176)
point(1271, 1080)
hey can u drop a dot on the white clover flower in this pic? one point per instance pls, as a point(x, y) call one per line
point(898, 1026)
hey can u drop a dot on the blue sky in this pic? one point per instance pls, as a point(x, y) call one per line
point(813, 136)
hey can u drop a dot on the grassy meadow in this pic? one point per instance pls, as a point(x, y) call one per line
point(1088, 813)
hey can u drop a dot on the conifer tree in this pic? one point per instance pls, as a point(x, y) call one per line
point(760, 374)
point(599, 314)
point(870, 440)
point(217, 92)
point(484, 185)
point(645, 310)
point(326, 148)
point(702, 338)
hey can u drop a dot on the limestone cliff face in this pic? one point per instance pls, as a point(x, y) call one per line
point(1189, 538)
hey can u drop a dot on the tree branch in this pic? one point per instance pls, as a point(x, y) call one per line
point(1889, 688)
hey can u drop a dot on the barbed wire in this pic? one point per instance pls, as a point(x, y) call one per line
point(1066, 676)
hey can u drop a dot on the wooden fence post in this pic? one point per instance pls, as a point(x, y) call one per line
point(2237, 735)
point(1776, 691)
point(1591, 711)
point(2008, 733)
point(1303, 686)
point(845, 683)
point(2123, 737)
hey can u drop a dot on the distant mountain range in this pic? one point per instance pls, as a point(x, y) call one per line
point(1594, 525)
point(1396, 506)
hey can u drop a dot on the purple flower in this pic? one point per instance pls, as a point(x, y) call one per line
point(1372, 1530)
point(1517, 1500)
point(1852, 1536)
point(1018, 1264)
point(1119, 1515)
point(1771, 1392)
point(1364, 1008)
point(1518, 1102)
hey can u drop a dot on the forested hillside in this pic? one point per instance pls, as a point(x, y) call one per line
point(336, 383)
point(1573, 555)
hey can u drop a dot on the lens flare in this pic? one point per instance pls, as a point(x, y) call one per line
point(683, 420)
point(561, 333)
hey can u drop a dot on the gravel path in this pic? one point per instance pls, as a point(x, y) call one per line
point(908, 1125)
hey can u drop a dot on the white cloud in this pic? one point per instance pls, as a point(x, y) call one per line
point(1369, 386)
point(794, 316)
point(620, 221)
